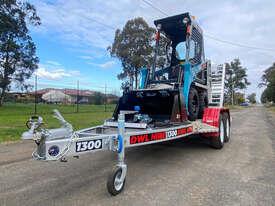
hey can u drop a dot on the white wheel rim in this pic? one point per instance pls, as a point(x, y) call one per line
point(118, 182)
point(227, 128)
point(221, 132)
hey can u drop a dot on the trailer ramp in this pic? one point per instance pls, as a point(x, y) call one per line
point(216, 91)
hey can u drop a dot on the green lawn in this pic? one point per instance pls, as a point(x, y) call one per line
point(14, 116)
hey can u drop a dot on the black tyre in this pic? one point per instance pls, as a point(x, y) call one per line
point(227, 127)
point(217, 142)
point(114, 185)
point(203, 103)
point(193, 104)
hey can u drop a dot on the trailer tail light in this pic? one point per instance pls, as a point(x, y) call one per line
point(188, 31)
point(157, 36)
point(189, 129)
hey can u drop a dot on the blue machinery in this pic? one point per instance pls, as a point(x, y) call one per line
point(183, 31)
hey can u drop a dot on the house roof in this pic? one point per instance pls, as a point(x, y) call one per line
point(72, 92)
point(55, 96)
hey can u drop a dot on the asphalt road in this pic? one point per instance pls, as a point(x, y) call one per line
point(178, 173)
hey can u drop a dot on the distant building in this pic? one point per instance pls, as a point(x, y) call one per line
point(69, 96)
point(64, 95)
point(56, 96)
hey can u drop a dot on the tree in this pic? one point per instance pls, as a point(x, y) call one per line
point(252, 98)
point(268, 75)
point(267, 96)
point(133, 46)
point(268, 80)
point(239, 98)
point(17, 50)
point(235, 79)
point(97, 98)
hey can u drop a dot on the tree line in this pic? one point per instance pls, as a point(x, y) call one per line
point(268, 81)
point(133, 46)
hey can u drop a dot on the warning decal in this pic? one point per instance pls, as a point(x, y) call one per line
point(157, 136)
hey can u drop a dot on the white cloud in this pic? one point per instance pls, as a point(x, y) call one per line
point(86, 57)
point(74, 73)
point(107, 64)
point(54, 63)
point(52, 75)
point(90, 23)
point(55, 71)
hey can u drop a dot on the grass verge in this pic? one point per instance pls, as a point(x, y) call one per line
point(235, 107)
point(272, 108)
point(14, 116)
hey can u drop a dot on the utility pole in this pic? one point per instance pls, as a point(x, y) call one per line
point(105, 98)
point(35, 95)
point(65, 90)
point(77, 97)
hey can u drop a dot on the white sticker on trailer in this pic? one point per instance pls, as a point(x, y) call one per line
point(171, 133)
point(83, 146)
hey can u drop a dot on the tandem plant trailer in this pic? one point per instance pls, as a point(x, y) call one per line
point(183, 99)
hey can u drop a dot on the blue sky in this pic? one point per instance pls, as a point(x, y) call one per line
point(72, 40)
point(62, 65)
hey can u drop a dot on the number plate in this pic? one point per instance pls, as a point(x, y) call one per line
point(83, 146)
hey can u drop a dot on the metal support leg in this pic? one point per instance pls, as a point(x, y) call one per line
point(116, 179)
point(121, 151)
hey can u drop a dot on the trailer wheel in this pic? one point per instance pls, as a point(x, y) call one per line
point(227, 126)
point(217, 142)
point(193, 104)
point(114, 183)
point(203, 103)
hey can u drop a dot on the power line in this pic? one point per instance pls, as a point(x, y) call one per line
point(156, 8)
point(102, 24)
point(95, 20)
point(212, 37)
point(98, 22)
point(238, 44)
point(72, 85)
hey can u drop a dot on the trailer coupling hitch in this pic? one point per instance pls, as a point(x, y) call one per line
point(41, 135)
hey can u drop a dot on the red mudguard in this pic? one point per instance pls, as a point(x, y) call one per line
point(211, 117)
